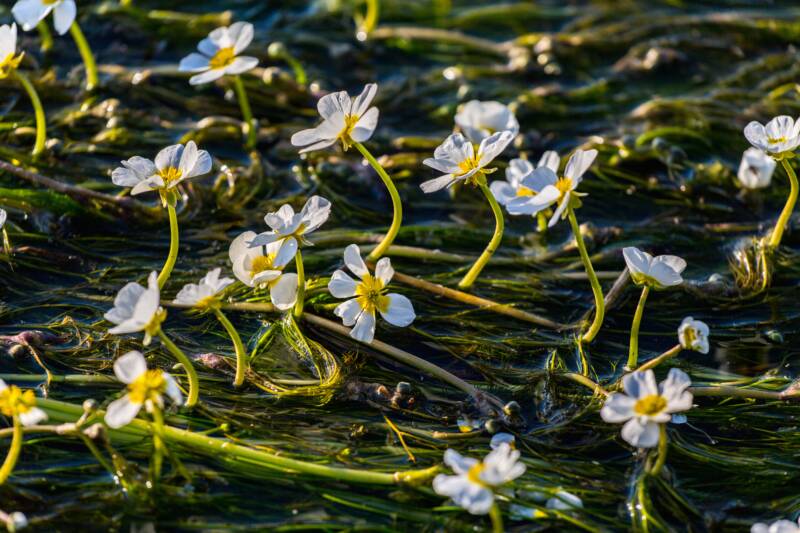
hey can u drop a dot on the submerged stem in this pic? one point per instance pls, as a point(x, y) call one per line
point(786, 214)
point(158, 444)
point(597, 290)
point(241, 354)
point(86, 55)
point(633, 350)
point(38, 110)
point(247, 113)
point(497, 518)
point(475, 271)
point(301, 284)
point(662, 450)
point(191, 373)
point(13, 451)
point(397, 205)
point(173, 246)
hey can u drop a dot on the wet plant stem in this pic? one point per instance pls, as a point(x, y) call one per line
point(158, 444)
point(38, 110)
point(13, 451)
point(238, 347)
point(86, 55)
point(597, 290)
point(301, 284)
point(45, 35)
point(173, 246)
point(633, 350)
point(663, 443)
point(494, 243)
point(496, 517)
point(786, 214)
point(370, 21)
point(652, 363)
point(247, 113)
point(397, 205)
point(191, 373)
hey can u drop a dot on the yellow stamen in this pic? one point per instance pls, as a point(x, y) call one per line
point(260, 264)
point(9, 64)
point(650, 405)
point(524, 191)
point(170, 175)
point(371, 295)
point(14, 401)
point(345, 135)
point(564, 185)
point(773, 140)
point(222, 58)
point(474, 474)
point(149, 386)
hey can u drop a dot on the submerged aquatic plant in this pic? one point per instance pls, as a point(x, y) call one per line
point(20, 406)
point(218, 57)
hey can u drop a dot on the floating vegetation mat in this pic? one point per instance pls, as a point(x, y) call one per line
point(359, 340)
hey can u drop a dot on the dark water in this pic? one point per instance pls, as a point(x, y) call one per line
point(661, 89)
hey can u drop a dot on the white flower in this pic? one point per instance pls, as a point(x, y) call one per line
point(564, 501)
point(173, 165)
point(479, 120)
point(204, 293)
point(472, 486)
point(3, 218)
point(658, 273)
point(549, 189)
point(137, 309)
point(289, 227)
point(457, 158)
point(29, 13)
point(343, 118)
point(781, 134)
point(218, 54)
point(693, 335)
point(756, 168)
point(500, 438)
point(368, 296)
point(518, 170)
point(263, 267)
point(17, 521)
point(781, 526)
point(22, 403)
point(9, 59)
point(644, 405)
point(145, 387)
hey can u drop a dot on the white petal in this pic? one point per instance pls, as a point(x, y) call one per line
point(678, 264)
point(665, 275)
point(207, 47)
point(457, 462)
point(550, 160)
point(32, 416)
point(331, 105)
point(365, 126)
point(241, 64)
point(579, 163)
point(239, 252)
point(64, 16)
point(363, 100)
point(120, 412)
point(617, 408)
point(539, 179)
point(173, 391)
point(517, 170)
point(384, 270)
point(400, 312)
point(283, 293)
point(146, 186)
point(530, 205)
point(125, 303)
point(503, 192)
point(640, 384)
point(492, 146)
point(640, 435)
point(130, 366)
point(207, 76)
point(169, 157)
point(353, 261)
point(28, 13)
point(8, 40)
point(562, 205)
point(638, 262)
point(437, 184)
point(286, 252)
point(364, 330)
point(241, 34)
point(564, 501)
point(341, 285)
point(348, 311)
point(194, 62)
point(756, 134)
point(314, 213)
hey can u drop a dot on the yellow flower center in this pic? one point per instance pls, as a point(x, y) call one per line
point(564, 185)
point(468, 165)
point(345, 135)
point(650, 405)
point(149, 386)
point(773, 140)
point(690, 336)
point(474, 474)
point(170, 175)
point(370, 295)
point(524, 191)
point(50, 2)
point(9, 64)
point(260, 264)
point(14, 401)
point(222, 58)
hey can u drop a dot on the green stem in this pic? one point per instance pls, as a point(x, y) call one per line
point(241, 355)
point(497, 519)
point(247, 113)
point(662, 450)
point(370, 21)
point(786, 214)
point(86, 55)
point(158, 444)
point(475, 271)
point(599, 302)
point(633, 351)
point(45, 35)
point(13, 451)
point(191, 373)
point(173, 246)
point(301, 284)
point(397, 206)
point(38, 110)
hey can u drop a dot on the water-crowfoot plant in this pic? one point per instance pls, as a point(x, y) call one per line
point(478, 120)
point(462, 163)
point(543, 188)
point(218, 57)
point(172, 166)
point(649, 272)
point(693, 335)
point(29, 13)
point(289, 230)
point(473, 487)
point(20, 406)
point(755, 169)
point(517, 170)
point(145, 388)
point(138, 309)
point(205, 297)
point(9, 63)
point(781, 526)
point(368, 296)
point(263, 266)
point(779, 138)
point(352, 122)
point(645, 408)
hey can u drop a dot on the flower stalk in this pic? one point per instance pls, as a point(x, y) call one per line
point(13, 451)
point(397, 206)
point(496, 517)
point(597, 290)
point(662, 450)
point(158, 443)
point(786, 214)
point(301, 284)
point(633, 350)
point(473, 273)
point(45, 35)
point(191, 373)
point(166, 270)
point(247, 113)
point(86, 55)
point(241, 354)
point(41, 123)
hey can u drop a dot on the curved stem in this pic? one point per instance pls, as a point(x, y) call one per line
point(86, 55)
point(497, 518)
point(241, 355)
point(158, 444)
point(633, 351)
point(397, 206)
point(662, 450)
point(38, 110)
point(247, 113)
point(786, 214)
point(475, 271)
point(301, 284)
point(13, 451)
point(191, 373)
point(173, 246)
point(45, 35)
point(599, 302)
